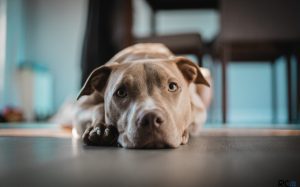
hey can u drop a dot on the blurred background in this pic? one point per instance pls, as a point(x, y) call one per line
point(48, 48)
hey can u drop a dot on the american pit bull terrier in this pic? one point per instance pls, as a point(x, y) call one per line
point(144, 97)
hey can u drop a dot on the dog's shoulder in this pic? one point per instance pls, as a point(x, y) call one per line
point(142, 51)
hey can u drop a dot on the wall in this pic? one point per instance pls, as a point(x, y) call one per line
point(2, 47)
point(49, 33)
point(14, 49)
point(54, 32)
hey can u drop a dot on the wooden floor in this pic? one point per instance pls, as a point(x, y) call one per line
point(58, 131)
point(251, 157)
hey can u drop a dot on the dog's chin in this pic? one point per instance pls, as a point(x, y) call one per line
point(141, 143)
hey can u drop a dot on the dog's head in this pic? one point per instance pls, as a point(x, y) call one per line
point(148, 100)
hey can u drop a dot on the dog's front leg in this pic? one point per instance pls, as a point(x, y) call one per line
point(98, 133)
point(101, 135)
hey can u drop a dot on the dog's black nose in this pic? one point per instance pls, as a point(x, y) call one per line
point(150, 119)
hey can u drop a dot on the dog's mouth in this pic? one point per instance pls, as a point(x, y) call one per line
point(145, 141)
point(151, 145)
point(157, 145)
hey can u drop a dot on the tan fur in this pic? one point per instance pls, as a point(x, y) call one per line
point(146, 71)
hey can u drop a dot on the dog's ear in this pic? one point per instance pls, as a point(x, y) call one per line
point(190, 71)
point(96, 81)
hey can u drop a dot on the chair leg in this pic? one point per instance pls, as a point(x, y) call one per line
point(224, 86)
point(298, 87)
point(289, 88)
point(274, 92)
point(153, 23)
point(215, 100)
point(199, 59)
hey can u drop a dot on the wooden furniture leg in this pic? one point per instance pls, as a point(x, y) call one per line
point(274, 91)
point(298, 87)
point(199, 59)
point(289, 89)
point(225, 58)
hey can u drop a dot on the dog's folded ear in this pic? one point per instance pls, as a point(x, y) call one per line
point(190, 71)
point(96, 81)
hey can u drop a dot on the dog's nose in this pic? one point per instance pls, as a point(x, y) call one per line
point(150, 119)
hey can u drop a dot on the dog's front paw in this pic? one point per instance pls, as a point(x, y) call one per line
point(101, 135)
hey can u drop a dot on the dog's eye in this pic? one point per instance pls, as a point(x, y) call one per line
point(173, 87)
point(121, 92)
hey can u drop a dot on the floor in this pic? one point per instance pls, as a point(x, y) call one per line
point(249, 157)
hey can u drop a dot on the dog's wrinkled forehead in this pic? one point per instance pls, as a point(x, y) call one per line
point(146, 75)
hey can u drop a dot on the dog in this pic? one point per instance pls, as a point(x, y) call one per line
point(147, 96)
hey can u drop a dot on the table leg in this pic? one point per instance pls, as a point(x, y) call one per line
point(289, 89)
point(298, 87)
point(274, 91)
point(225, 58)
